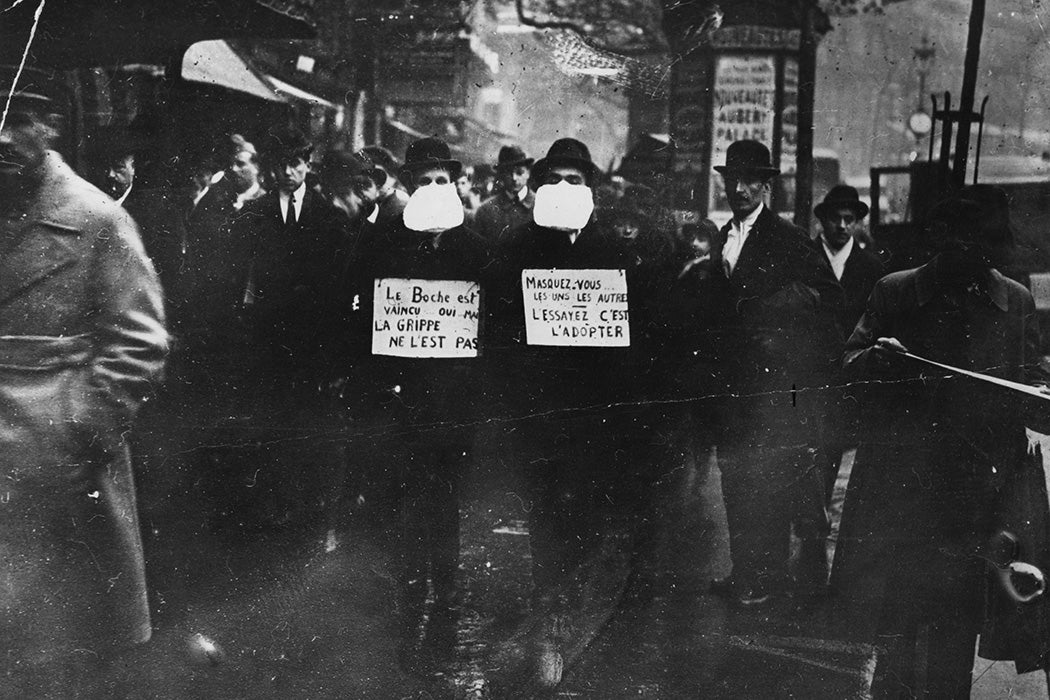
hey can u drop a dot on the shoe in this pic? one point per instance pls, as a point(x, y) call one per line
point(723, 587)
point(754, 598)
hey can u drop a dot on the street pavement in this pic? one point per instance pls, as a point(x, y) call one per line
point(269, 613)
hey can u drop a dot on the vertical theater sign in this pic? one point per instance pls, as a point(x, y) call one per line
point(743, 85)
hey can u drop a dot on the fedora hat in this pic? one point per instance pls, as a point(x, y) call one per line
point(286, 143)
point(430, 152)
point(748, 157)
point(511, 156)
point(841, 196)
point(995, 212)
point(568, 152)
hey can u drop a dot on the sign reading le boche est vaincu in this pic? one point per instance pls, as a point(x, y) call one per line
point(425, 318)
point(576, 308)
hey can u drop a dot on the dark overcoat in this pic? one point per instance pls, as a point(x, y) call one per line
point(430, 390)
point(924, 495)
point(82, 344)
point(779, 333)
point(540, 378)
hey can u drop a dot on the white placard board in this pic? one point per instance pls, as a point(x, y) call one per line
point(425, 318)
point(586, 308)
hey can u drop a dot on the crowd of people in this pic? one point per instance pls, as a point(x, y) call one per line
point(751, 339)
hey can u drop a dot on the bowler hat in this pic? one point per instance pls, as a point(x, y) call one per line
point(512, 156)
point(841, 196)
point(430, 152)
point(564, 152)
point(339, 168)
point(995, 211)
point(750, 157)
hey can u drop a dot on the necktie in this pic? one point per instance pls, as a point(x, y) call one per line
point(290, 220)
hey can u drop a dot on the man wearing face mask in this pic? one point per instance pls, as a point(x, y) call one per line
point(427, 400)
point(780, 335)
point(938, 452)
point(569, 443)
point(512, 207)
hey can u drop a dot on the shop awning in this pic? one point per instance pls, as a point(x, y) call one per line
point(298, 93)
point(215, 63)
point(78, 34)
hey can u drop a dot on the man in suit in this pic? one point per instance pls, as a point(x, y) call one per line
point(122, 171)
point(512, 207)
point(780, 335)
point(210, 286)
point(857, 270)
point(293, 311)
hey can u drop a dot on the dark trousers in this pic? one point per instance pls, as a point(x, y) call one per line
point(430, 470)
point(569, 471)
point(765, 488)
point(930, 646)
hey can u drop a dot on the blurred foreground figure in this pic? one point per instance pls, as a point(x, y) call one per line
point(82, 342)
point(927, 488)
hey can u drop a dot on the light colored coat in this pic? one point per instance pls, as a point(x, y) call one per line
point(82, 343)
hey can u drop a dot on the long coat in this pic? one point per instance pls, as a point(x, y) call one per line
point(82, 344)
point(779, 332)
point(923, 495)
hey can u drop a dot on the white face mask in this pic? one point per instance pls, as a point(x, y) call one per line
point(563, 206)
point(434, 208)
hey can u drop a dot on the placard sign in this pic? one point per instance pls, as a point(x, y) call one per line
point(576, 307)
point(425, 318)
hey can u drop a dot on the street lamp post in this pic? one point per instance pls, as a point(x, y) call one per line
point(920, 122)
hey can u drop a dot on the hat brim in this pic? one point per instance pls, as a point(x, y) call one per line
point(859, 208)
point(527, 162)
point(545, 164)
point(734, 170)
point(454, 167)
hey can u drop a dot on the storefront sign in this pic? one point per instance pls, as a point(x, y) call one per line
point(586, 308)
point(425, 318)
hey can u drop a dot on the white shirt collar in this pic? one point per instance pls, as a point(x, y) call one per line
point(374, 216)
point(299, 194)
point(121, 198)
point(246, 196)
point(838, 258)
point(736, 237)
point(748, 223)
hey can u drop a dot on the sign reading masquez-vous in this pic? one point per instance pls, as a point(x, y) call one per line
point(425, 318)
point(576, 307)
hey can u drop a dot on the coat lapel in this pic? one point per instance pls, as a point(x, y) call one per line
point(754, 246)
point(46, 242)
